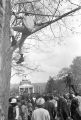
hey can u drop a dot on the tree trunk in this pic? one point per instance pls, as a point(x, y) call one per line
point(5, 58)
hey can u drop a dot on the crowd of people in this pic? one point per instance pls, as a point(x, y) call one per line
point(45, 107)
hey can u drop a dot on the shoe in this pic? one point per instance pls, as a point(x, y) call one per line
point(21, 59)
point(14, 42)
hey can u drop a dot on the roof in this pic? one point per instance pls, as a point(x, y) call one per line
point(25, 86)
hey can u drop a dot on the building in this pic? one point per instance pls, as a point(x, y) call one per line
point(25, 86)
point(39, 87)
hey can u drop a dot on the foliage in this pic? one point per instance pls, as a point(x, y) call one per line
point(14, 92)
point(68, 79)
point(63, 72)
point(76, 71)
point(50, 85)
point(72, 75)
point(76, 68)
point(57, 86)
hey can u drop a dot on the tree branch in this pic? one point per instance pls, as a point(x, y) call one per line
point(37, 28)
point(24, 2)
point(29, 13)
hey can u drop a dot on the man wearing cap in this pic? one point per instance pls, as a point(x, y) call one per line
point(40, 113)
point(15, 110)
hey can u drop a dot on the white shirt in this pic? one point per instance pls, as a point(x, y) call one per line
point(17, 112)
point(28, 22)
point(79, 101)
point(40, 114)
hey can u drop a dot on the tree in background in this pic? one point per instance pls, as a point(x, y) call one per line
point(72, 75)
point(67, 79)
point(76, 68)
point(76, 71)
point(50, 85)
point(63, 72)
point(64, 81)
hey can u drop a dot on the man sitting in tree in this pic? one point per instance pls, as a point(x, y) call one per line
point(25, 29)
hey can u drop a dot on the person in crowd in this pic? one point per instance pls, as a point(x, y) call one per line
point(33, 101)
point(10, 110)
point(24, 110)
point(40, 113)
point(13, 111)
point(50, 106)
point(78, 97)
point(75, 109)
point(52, 99)
point(30, 109)
point(20, 110)
point(62, 108)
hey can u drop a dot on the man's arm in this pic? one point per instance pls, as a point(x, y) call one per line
point(17, 113)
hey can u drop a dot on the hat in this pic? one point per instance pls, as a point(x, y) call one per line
point(40, 101)
point(13, 100)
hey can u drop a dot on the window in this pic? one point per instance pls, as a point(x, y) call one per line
point(31, 90)
point(26, 90)
point(21, 90)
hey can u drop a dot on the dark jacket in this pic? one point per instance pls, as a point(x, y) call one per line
point(63, 109)
point(10, 113)
point(74, 113)
point(51, 108)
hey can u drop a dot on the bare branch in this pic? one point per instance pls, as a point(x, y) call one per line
point(55, 20)
point(56, 8)
point(37, 28)
point(25, 1)
point(74, 3)
point(28, 13)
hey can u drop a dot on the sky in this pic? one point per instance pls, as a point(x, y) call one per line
point(51, 62)
point(51, 56)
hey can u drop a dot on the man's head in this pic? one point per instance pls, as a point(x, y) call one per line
point(40, 102)
point(14, 102)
